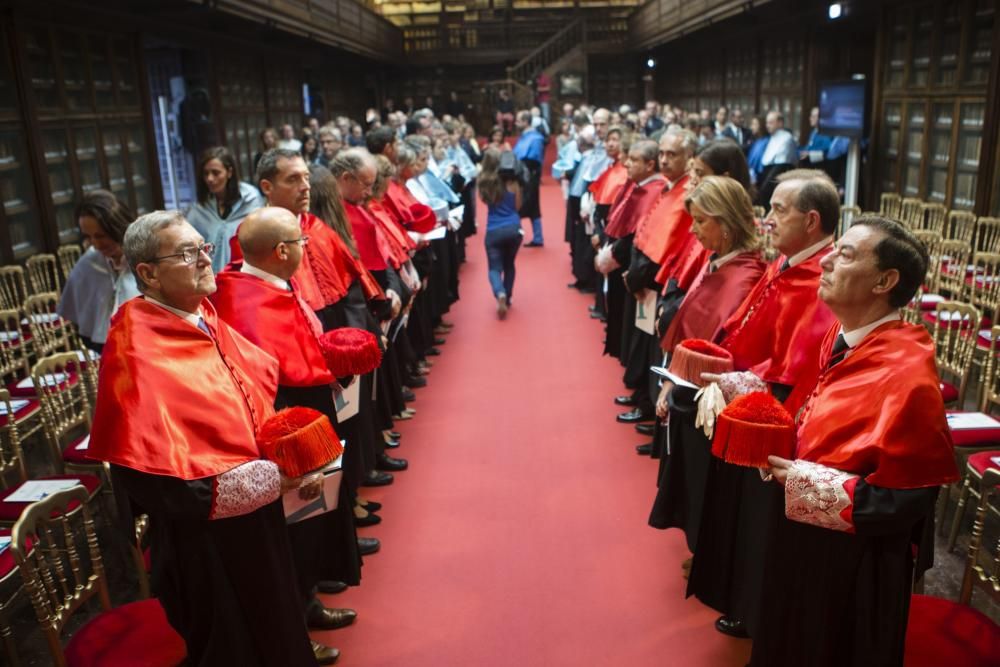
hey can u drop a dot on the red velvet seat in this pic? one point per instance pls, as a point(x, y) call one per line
point(9, 512)
point(76, 456)
point(133, 635)
point(928, 301)
point(942, 633)
point(7, 564)
point(975, 437)
point(23, 412)
point(949, 392)
point(983, 461)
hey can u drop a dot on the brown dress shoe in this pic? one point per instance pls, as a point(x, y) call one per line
point(326, 618)
point(325, 655)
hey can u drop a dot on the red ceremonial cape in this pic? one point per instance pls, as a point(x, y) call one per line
point(710, 302)
point(413, 215)
point(878, 413)
point(276, 321)
point(633, 207)
point(363, 227)
point(393, 241)
point(609, 184)
point(777, 329)
point(665, 237)
point(173, 400)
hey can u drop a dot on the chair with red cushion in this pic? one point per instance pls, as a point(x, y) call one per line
point(13, 287)
point(65, 411)
point(43, 273)
point(11, 586)
point(975, 468)
point(955, 330)
point(13, 474)
point(932, 218)
point(64, 570)
point(50, 333)
point(942, 632)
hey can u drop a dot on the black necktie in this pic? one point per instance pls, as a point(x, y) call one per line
point(784, 266)
point(840, 348)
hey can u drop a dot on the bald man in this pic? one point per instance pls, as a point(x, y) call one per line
point(258, 298)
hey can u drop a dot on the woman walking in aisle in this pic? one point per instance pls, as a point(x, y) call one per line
point(501, 192)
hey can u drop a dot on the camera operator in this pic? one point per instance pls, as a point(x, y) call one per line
point(501, 183)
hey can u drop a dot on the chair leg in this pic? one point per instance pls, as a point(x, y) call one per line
point(956, 521)
point(9, 646)
point(942, 507)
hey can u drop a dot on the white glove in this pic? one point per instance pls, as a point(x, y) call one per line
point(605, 262)
point(587, 206)
point(710, 403)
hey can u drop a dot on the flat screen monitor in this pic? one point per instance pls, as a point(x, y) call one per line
point(842, 108)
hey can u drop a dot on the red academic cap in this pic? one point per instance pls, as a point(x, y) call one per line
point(299, 440)
point(751, 428)
point(350, 351)
point(693, 356)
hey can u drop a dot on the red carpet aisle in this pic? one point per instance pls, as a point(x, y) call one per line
point(519, 536)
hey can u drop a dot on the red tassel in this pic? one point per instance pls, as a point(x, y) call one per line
point(705, 347)
point(299, 440)
point(693, 356)
point(350, 351)
point(751, 428)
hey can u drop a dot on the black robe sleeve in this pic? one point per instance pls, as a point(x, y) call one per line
point(642, 273)
point(621, 250)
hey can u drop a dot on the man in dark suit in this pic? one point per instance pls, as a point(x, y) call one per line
point(737, 132)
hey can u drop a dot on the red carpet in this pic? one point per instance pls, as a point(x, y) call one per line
point(519, 536)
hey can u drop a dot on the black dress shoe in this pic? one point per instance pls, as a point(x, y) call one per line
point(598, 316)
point(433, 352)
point(368, 545)
point(371, 505)
point(392, 444)
point(408, 395)
point(627, 401)
point(330, 587)
point(326, 618)
point(415, 382)
point(395, 435)
point(371, 520)
point(592, 308)
point(587, 289)
point(731, 626)
point(533, 244)
point(645, 429)
point(324, 655)
point(376, 478)
point(633, 417)
point(385, 462)
point(440, 341)
point(641, 450)
point(576, 285)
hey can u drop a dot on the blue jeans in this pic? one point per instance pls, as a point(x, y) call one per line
point(501, 248)
point(536, 231)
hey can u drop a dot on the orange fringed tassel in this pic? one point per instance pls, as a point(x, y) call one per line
point(751, 428)
point(692, 357)
point(299, 440)
point(350, 351)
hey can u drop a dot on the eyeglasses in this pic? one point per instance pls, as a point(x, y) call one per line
point(190, 255)
point(302, 241)
point(367, 186)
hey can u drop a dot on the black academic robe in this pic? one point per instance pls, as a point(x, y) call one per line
point(643, 347)
point(228, 586)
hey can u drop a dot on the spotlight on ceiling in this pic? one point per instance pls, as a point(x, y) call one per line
point(651, 63)
point(835, 11)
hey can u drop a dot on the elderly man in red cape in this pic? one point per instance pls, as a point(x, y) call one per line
point(644, 188)
point(181, 399)
point(774, 337)
point(873, 448)
point(258, 297)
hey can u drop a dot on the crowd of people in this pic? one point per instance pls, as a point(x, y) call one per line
point(797, 420)
point(209, 320)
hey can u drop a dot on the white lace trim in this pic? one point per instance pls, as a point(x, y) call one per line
point(738, 383)
point(245, 489)
point(815, 494)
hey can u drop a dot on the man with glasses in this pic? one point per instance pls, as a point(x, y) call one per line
point(181, 399)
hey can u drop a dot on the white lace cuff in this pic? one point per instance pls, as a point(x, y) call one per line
point(739, 383)
point(245, 489)
point(815, 494)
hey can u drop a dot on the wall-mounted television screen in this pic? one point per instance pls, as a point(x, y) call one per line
point(842, 108)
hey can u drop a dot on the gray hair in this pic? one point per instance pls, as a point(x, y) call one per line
point(689, 142)
point(142, 239)
point(330, 131)
point(267, 168)
point(405, 155)
point(647, 149)
point(419, 143)
point(351, 161)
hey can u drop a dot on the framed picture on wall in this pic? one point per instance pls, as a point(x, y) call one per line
point(570, 84)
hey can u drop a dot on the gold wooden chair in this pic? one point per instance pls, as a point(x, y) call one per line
point(55, 545)
point(960, 226)
point(910, 210)
point(15, 350)
point(50, 333)
point(932, 241)
point(138, 552)
point(933, 217)
point(43, 273)
point(977, 466)
point(62, 390)
point(889, 205)
point(955, 332)
point(953, 268)
point(848, 214)
point(13, 474)
point(68, 255)
point(988, 235)
point(13, 288)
